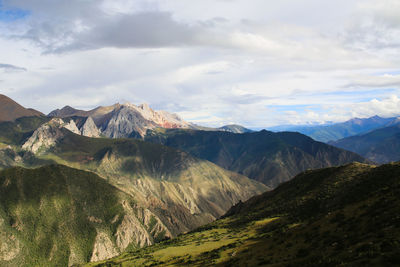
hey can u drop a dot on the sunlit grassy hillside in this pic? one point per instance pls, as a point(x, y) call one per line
point(336, 216)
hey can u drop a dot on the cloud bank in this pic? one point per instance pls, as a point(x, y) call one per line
point(254, 62)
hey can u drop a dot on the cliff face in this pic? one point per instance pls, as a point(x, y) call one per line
point(89, 128)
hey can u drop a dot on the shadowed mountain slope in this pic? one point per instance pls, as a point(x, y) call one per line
point(345, 215)
point(381, 146)
point(268, 157)
point(58, 216)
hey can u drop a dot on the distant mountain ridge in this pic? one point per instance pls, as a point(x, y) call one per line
point(268, 157)
point(355, 126)
point(234, 128)
point(381, 145)
point(11, 110)
point(129, 120)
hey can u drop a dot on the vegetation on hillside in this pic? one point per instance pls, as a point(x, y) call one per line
point(270, 158)
point(55, 215)
point(345, 215)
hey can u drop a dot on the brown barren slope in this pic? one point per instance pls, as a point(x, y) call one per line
point(11, 110)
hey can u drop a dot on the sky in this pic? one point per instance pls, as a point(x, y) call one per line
point(213, 62)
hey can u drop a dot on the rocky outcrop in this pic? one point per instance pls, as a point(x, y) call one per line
point(47, 135)
point(71, 126)
point(103, 248)
point(89, 128)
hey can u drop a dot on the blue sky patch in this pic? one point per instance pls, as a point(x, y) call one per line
point(12, 14)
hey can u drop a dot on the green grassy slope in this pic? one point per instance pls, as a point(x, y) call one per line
point(345, 215)
point(265, 156)
point(51, 216)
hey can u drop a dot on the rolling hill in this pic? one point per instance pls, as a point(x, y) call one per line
point(346, 216)
point(270, 158)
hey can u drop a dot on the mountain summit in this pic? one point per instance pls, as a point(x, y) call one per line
point(125, 120)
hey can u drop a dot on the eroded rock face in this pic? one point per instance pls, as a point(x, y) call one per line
point(89, 128)
point(127, 122)
point(47, 135)
point(71, 126)
point(103, 248)
point(9, 244)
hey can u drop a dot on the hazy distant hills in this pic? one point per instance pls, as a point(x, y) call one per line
point(265, 156)
point(345, 215)
point(338, 131)
point(381, 145)
point(11, 110)
point(234, 128)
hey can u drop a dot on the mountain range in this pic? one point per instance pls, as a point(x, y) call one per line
point(333, 132)
point(271, 158)
point(154, 175)
point(174, 191)
point(124, 120)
